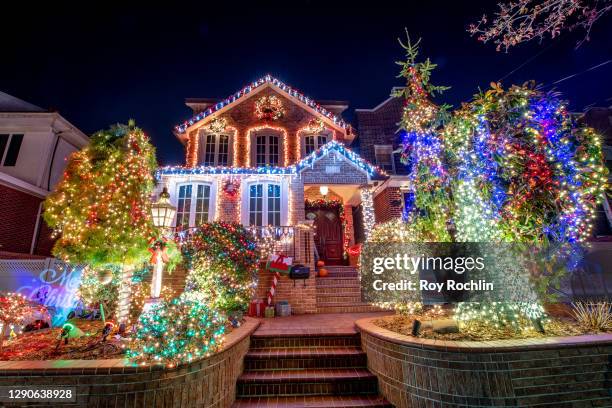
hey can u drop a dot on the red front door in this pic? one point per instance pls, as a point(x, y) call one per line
point(328, 234)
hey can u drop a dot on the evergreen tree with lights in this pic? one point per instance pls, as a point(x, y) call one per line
point(428, 204)
point(100, 209)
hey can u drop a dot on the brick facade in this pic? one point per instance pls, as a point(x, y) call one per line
point(241, 118)
point(388, 205)
point(333, 169)
point(18, 212)
point(379, 127)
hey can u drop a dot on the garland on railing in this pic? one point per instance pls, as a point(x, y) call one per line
point(333, 204)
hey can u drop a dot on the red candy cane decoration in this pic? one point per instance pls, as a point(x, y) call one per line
point(273, 288)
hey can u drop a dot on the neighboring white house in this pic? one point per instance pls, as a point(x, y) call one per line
point(34, 146)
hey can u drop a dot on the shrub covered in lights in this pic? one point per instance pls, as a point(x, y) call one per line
point(535, 176)
point(509, 166)
point(523, 171)
point(101, 208)
point(223, 260)
point(177, 332)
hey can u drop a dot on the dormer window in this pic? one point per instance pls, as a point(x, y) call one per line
point(214, 149)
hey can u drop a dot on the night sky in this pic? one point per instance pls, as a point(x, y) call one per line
point(99, 64)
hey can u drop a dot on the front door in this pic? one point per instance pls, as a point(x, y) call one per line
point(328, 234)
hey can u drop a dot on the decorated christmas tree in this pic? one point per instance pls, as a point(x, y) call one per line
point(100, 210)
point(427, 205)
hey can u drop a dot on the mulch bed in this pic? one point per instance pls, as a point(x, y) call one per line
point(559, 324)
point(41, 344)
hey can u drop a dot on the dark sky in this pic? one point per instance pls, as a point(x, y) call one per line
point(100, 63)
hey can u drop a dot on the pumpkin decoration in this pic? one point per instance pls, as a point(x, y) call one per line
point(323, 272)
point(320, 264)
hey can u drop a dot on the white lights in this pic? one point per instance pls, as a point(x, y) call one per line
point(324, 190)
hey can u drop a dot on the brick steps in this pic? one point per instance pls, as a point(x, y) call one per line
point(310, 370)
point(338, 297)
point(340, 292)
point(347, 308)
point(304, 358)
point(319, 401)
point(341, 281)
point(318, 340)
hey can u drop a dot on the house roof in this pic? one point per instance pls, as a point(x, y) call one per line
point(266, 81)
point(373, 171)
point(10, 103)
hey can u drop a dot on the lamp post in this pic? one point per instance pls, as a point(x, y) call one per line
point(163, 215)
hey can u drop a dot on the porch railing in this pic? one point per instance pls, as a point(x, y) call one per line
point(294, 241)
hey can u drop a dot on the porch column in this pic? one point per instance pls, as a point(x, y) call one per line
point(367, 204)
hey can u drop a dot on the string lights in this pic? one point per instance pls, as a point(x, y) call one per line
point(268, 79)
point(307, 162)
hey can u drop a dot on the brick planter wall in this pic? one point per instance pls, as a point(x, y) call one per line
point(209, 382)
point(553, 372)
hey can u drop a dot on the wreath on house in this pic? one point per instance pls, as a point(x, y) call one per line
point(269, 108)
point(231, 188)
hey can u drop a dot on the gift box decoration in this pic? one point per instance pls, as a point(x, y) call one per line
point(269, 312)
point(283, 308)
point(256, 308)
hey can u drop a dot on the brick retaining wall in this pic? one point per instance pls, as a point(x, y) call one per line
point(209, 382)
point(552, 372)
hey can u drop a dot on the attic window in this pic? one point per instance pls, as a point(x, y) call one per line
point(384, 156)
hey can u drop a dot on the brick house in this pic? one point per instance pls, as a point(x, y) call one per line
point(34, 144)
point(379, 143)
point(277, 161)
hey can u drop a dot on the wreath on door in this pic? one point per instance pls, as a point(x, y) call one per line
point(334, 205)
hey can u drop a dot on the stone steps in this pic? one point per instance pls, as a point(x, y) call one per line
point(310, 370)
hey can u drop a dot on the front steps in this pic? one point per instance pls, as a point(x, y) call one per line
point(314, 371)
point(340, 292)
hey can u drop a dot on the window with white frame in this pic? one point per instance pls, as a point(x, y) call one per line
point(384, 157)
point(214, 149)
point(10, 144)
point(193, 205)
point(265, 204)
point(267, 149)
point(313, 142)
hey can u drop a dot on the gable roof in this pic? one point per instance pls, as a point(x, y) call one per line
point(373, 171)
point(261, 83)
point(10, 103)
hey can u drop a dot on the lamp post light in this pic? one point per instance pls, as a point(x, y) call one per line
point(163, 215)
